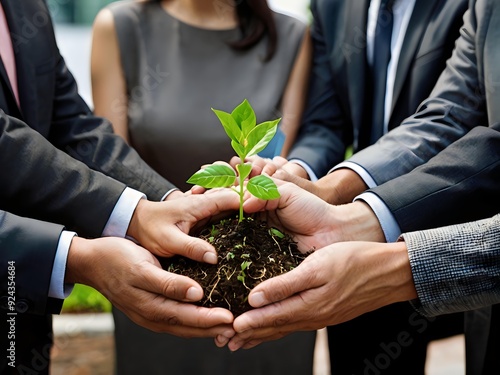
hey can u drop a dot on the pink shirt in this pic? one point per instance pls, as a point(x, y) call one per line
point(7, 53)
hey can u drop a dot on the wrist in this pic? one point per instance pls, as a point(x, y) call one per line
point(341, 186)
point(173, 194)
point(77, 263)
point(296, 169)
point(404, 286)
point(387, 272)
point(357, 222)
point(134, 228)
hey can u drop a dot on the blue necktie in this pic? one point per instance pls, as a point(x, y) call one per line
point(381, 58)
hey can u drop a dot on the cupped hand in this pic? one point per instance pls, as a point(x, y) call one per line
point(307, 218)
point(133, 281)
point(163, 227)
point(331, 286)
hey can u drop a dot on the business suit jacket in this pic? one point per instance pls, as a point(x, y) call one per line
point(466, 96)
point(55, 157)
point(447, 278)
point(27, 250)
point(338, 93)
point(44, 183)
point(462, 118)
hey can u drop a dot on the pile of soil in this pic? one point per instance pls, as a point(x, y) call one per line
point(249, 252)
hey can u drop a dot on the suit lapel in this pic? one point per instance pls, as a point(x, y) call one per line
point(414, 34)
point(4, 77)
point(7, 100)
point(355, 35)
point(20, 41)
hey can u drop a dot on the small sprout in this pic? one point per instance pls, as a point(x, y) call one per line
point(247, 139)
point(230, 255)
point(245, 265)
point(277, 233)
point(214, 231)
point(239, 246)
point(246, 256)
point(211, 239)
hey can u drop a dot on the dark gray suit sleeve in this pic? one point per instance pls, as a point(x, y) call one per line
point(320, 140)
point(27, 249)
point(51, 105)
point(42, 182)
point(460, 184)
point(456, 105)
point(456, 268)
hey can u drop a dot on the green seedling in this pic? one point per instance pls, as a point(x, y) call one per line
point(244, 266)
point(247, 139)
point(275, 232)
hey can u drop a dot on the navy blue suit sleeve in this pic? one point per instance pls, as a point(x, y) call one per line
point(320, 140)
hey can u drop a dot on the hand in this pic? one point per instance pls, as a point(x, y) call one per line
point(314, 223)
point(163, 227)
point(339, 187)
point(261, 165)
point(331, 286)
point(133, 281)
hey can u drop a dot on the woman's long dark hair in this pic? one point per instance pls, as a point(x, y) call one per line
point(255, 20)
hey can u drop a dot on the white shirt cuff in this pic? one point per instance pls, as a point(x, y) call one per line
point(369, 181)
point(387, 221)
point(119, 220)
point(57, 288)
point(307, 168)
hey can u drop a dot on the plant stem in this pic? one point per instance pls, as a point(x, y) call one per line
point(241, 199)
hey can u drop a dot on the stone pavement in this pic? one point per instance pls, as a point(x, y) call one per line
point(84, 346)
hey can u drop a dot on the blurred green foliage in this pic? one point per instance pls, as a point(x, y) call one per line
point(83, 298)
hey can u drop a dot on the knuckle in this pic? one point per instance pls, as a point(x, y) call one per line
point(170, 288)
point(282, 289)
point(190, 249)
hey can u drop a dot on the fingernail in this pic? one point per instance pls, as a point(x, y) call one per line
point(233, 346)
point(194, 294)
point(222, 340)
point(210, 258)
point(257, 299)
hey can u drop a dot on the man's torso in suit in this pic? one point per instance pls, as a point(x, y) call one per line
point(338, 101)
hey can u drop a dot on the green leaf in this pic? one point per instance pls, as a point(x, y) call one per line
point(215, 175)
point(263, 187)
point(244, 116)
point(277, 233)
point(260, 136)
point(239, 149)
point(244, 170)
point(245, 264)
point(230, 126)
